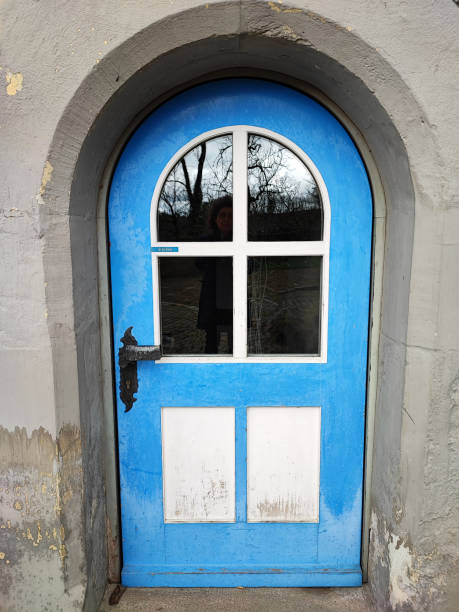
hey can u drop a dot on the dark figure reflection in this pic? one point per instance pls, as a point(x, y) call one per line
point(215, 314)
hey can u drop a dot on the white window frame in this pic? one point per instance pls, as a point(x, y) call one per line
point(240, 248)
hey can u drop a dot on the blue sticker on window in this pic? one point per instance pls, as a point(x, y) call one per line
point(164, 249)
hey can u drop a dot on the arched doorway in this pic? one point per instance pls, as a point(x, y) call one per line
point(102, 105)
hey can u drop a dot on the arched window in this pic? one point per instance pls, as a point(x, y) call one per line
point(240, 225)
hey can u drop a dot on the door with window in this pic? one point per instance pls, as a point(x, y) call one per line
point(240, 220)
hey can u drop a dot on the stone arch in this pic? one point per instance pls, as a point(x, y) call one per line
point(284, 43)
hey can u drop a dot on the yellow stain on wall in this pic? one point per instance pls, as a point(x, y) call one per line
point(14, 83)
point(274, 7)
point(68, 494)
point(2, 555)
point(280, 9)
point(47, 174)
point(39, 536)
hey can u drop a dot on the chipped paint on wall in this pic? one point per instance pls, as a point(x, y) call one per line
point(285, 31)
point(32, 496)
point(402, 576)
point(410, 580)
point(391, 553)
point(13, 83)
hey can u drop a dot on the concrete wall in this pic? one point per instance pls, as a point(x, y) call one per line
point(74, 82)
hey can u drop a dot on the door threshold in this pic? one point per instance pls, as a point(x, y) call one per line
point(240, 599)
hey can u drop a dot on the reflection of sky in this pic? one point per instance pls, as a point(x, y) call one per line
point(291, 172)
point(215, 166)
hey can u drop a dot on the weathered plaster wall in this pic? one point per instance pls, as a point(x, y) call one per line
point(41, 498)
point(67, 96)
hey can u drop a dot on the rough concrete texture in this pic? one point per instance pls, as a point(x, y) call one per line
point(73, 85)
point(241, 600)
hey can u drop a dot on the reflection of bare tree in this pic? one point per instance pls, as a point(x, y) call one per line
point(201, 176)
point(284, 202)
point(169, 197)
point(278, 180)
point(194, 193)
point(265, 159)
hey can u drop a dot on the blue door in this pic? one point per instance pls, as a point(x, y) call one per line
point(240, 219)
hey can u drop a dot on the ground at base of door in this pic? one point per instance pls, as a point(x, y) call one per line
point(241, 599)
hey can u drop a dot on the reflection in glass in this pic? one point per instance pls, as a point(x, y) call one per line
point(284, 202)
point(284, 305)
point(202, 176)
point(196, 305)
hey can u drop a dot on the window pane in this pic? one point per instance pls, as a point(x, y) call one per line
point(196, 304)
point(284, 202)
point(284, 305)
point(195, 193)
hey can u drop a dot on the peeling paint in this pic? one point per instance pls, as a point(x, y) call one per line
point(39, 477)
point(415, 580)
point(287, 32)
point(392, 553)
point(400, 572)
point(14, 83)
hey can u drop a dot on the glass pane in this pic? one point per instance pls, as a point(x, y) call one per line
point(284, 202)
point(284, 305)
point(196, 191)
point(196, 304)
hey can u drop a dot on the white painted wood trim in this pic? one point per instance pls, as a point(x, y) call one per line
point(222, 249)
point(239, 242)
point(240, 248)
point(156, 304)
point(232, 359)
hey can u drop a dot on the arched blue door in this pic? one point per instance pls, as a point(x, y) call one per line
point(240, 219)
